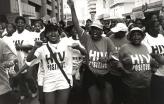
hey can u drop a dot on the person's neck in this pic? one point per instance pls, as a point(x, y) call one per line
point(55, 42)
point(136, 45)
point(20, 31)
point(153, 34)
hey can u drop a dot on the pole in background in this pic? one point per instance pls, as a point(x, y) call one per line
point(20, 7)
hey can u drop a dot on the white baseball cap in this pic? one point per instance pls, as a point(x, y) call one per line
point(97, 24)
point(119, 27)
point(136, 29)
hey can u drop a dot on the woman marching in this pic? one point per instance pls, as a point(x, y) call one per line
point(56, 86)
point(136, 61)
point(99, 52)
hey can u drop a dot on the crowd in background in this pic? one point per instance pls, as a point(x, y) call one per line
point(104, 61)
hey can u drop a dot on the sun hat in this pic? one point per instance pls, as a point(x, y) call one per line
point(97, 24)
point(119, 27)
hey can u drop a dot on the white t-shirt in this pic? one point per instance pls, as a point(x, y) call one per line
point(4, 32)
point(156, 46)
point(25, 38)
point(77, 57)
point(53, 77)
point(36, 36)
point(9, 42)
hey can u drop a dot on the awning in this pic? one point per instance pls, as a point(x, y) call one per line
point(156, 6)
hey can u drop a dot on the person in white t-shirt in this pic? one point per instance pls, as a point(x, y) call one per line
point(10, 28)
point(23, 40)
point(155, 43)
point(38, 29)
point(55, 85)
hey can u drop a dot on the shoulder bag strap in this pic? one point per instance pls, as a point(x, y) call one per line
point(58, 64)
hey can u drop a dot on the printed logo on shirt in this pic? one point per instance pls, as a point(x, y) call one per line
point(94, 57)
point(51, 65)
point(140, 62)
point(19, 42)
point(158, 49)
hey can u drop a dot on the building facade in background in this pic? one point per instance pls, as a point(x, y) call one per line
point(92, 8)
point(118, 8)
point(32, 9)
point(147, 7)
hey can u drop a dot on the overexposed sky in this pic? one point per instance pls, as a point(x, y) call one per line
point(81, 9)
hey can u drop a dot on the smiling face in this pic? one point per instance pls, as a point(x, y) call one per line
point(20, 25)
point(53, 36)
point(95, 33)
point(136, 37)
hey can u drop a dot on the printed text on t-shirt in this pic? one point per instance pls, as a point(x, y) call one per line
point(140, 62)
point(158, 49)
point(94, 57)
point(51, 64)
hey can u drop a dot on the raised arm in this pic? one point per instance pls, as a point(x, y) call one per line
point(74, 18)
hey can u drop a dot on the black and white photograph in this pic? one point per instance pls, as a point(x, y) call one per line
point(81, 51)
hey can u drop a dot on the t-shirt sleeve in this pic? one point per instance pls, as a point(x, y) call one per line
point(146, 43)
point(38, 53)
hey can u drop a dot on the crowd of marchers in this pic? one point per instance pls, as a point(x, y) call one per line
point(102, 62)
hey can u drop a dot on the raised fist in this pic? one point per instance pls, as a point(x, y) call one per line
point(70, 3)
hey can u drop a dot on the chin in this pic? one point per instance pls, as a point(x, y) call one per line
point(96, 39)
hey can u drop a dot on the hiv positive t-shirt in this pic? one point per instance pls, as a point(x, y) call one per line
point(53, 77)
point(96, 50)
point(138, 72)
point(155, 46)
point(24, 39)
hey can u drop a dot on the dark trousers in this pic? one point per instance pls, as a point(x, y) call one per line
point(117, 85)
point(26, 83)
point(99, 87)
point(8, 98)
point(136, 95)
point(157, 89)
point(41, 95)
point(57, 97)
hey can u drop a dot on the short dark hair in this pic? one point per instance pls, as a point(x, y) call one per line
point(51, 27)
point(3, 19)
point(20, 18)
